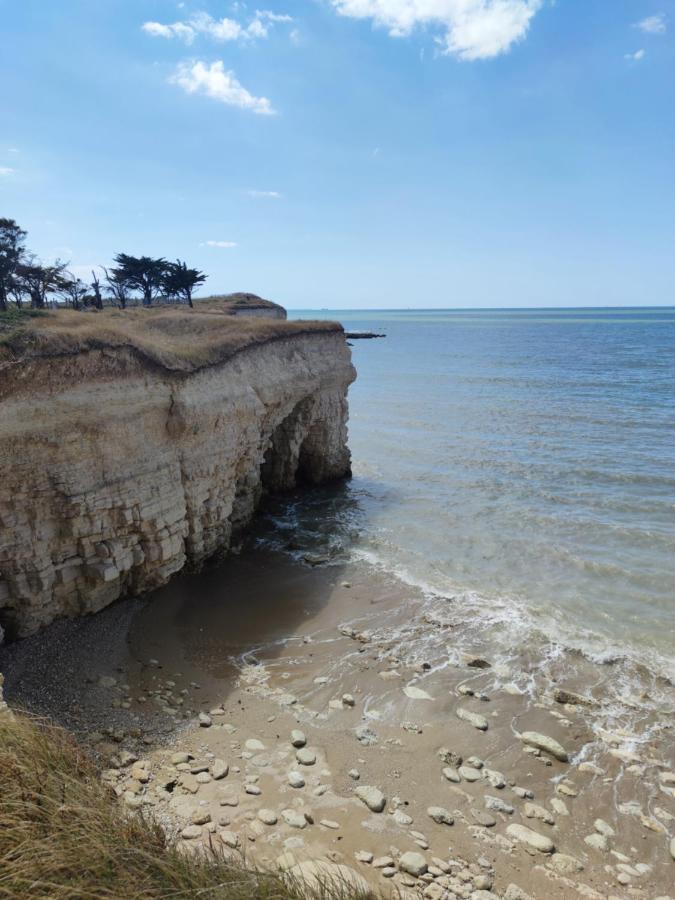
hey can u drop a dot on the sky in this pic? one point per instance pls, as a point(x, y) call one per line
point(351, 153)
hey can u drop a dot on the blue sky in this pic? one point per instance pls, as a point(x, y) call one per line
point(351, 153)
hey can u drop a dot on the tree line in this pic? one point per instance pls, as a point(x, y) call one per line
point(27, 282)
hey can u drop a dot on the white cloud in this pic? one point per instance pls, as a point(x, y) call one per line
point(470, 29)
point(652, 25)
point(215, 82)
point(220, 245)
point(219, 29)
point(6, 171)
point(635, 57)
point(271, 194)
point(12, 149)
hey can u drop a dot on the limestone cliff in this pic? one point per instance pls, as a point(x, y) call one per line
point(119, 470)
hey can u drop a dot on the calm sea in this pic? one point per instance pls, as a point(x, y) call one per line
point(522, 462)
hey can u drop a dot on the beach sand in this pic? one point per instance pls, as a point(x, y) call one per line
point(190, 697)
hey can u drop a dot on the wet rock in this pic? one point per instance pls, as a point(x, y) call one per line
point(562, 696)
point(565, 865)
point(475, 719)
point(415, 693)
point(306, 757)
point(294, 818)
point(440, 816)
point(533, 839)
point(545, 743)
point(413, 863)
point(372, 797)
point(475, 662)
point(267, 816)
point(298, 738)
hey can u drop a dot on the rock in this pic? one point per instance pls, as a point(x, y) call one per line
point(413, 863)
point(180, 758)
point(294, 818)
point(450, 757)
point(306, 757)
point(484, 819)
point(402, 819)
point(200, 817)
point(468, 773)
point(672, 848)
point(603, 827)
point(191, 832)
point(372, 797)
point(267, 816)
point(495, 778)
point(363, 856)
point(254, 745)
point(203, 777)
point(205, 720)
point(327, 879)
point(229, 838)
point(513, 892)
point(475, 662)
point(295, 779)
point(354, 773)
point(366, 735)
point(298, 738)
point(559, 806)
point(478, 721)
point(219, 769)
point(414, 693)
point(483, 882)
point(562, 696)
point(523, 793)
point(598, 842)
point(348, 700)
point(533, 811)
point(565, 865)
point(497, 805)
point(545, 743)
point(382, 862)
point(252, 789)
point(329, 823)
point(451, 774)
point(533, 839)
point(440, 816)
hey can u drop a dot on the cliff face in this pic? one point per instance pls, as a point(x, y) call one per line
point(119, 472)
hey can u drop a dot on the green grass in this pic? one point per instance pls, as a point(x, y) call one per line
point(64, 835)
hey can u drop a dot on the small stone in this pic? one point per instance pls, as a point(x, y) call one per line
point(562, 696)
point(372, 797)
point(366, 736)
point(267, 816)
point(440, 816)
point(254, 745)
point(603, 827)
point(598, 842)
point(533, 839)
point(203, 777)
point(497, 805)
point(565, 865)
point(219, 769)
point(329, 823)
point(402, 819)
point(452, 774)
point(559, 806)
point(348, 700)
point(484, 819)
point(295, 779)
point(413, 863)
point(468, 773)
point(298, 738)
point(415, 693)
point(294, 818)
point(354, 773)
point(205, 720)
point(450, 757)
point(191, 832)
point(201, 817)
point(478, 721)
point(545, 743)
point(388, 872)
point(306, 757)
point(382, 862)
point(252, 789)
point(363, 856)
point(179, 758)
point(229, 838)
point(533, 811)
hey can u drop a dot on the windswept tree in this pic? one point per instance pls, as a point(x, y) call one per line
point(96, 288)
point(180, 281)
point(74, 290)
point(142, 273)
point(39, 281)
point(11, 255)
point(118, 286)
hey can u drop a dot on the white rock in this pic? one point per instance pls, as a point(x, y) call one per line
point(598, 842)
point(468, 773)
point(363, 856)
point(603, 827)
point(229, 838)
point(440, 816)
point(545, 743)
point(254, 745)
point(533, 811)
point(478, 721)
point(295, 779)
point(497, 805)
point(298, 738)
point(451, 773)
point(415, 693)
point(372, 797)
point(306, 757)
point(219, 769)
point(267, 816)
point(412, 863)
point(191, 832)
point(533, 839)
point(294, 818)
point(565, 865)
point(204, 720)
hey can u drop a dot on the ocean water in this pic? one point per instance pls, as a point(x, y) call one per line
point(522, 464)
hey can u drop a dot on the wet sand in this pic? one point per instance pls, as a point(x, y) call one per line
point(189, 699)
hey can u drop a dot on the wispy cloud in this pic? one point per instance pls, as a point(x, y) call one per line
point(215, 82)
point(652, 24)
point(275, 195)
point(220, 245)
point(224, 29)
point(12, 149)
point(5, 171)
point(469, 29)
point(635, 57)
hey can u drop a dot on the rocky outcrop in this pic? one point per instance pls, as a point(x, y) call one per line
point(119, 472)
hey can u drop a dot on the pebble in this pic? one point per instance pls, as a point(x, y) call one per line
point(559, 806)
point(254, 745)
point(388, 872)
point(523, 793)
point(402, 819)
point(497, 805)
point(253, 790)
point(545, 743)
point(295, 779)
point(329, 823)
point(191, 832)
point(533, 839)
point(219, 769)
point(348, 700)
point(484, 819)
point(565, 865)
point(229, 838)
point(450, 757)
point(452, 774)
point(267, 816)
point(440, 816)
point(306, 757)
point(533, 811)
point(495, 778)
point(366, 735)
point(203, 777)
point(415, 693)
point(205, 721)
point(603, 827)
point(413, 863)
point(179, 758)
point(354, 773)
point(598, 842)
point(294, 818)
point(363, 856)
point(382, 862)
point(298, 738)
point(475, 719)
point(372, 797)
point(468, 773)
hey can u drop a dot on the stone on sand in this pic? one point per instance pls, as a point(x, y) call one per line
point(372, 797)
point(475, 719)
point(413, 863)
point(415, 693)
point(298, 738)
point(440, 816)
point(545, 743)
point(533, 839)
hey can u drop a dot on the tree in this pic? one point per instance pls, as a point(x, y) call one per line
point(118, 286)
point(142, 273)
point(11, 255)
point(39, 281)
point(96, 288)
point(180, 281)
point(74, 290)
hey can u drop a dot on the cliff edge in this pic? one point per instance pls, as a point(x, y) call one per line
point(139, 442)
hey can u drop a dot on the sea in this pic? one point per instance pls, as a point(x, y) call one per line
point(519, 463)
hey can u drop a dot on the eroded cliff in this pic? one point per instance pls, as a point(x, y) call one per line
point(120, 470)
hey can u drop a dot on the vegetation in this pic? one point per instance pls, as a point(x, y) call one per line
point(24, 280)
point(63, 835)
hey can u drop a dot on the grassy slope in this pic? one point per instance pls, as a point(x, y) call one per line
point(63, 835)
point(178, 339)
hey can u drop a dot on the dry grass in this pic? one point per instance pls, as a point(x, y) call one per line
point(63, 835)
point(178, 339)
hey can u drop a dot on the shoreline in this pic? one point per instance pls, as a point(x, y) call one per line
point(285, 645)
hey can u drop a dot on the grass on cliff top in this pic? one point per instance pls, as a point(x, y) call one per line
point(174, 338)
point(63, 835)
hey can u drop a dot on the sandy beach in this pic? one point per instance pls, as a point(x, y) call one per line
point(320, 711)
